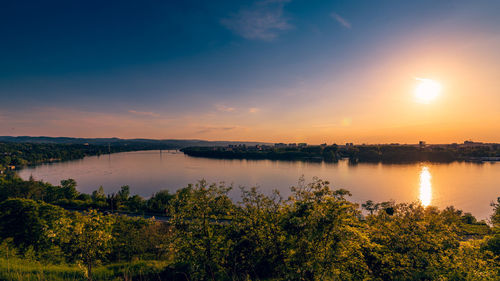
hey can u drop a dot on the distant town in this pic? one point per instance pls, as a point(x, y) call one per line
point(421, 144)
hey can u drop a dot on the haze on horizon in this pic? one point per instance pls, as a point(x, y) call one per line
point(269, 70)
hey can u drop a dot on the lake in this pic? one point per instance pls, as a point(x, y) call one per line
point(467, 186)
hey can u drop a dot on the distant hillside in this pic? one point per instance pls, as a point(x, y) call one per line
point(168, 143)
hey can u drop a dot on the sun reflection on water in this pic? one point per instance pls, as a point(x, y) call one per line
point(425, 186)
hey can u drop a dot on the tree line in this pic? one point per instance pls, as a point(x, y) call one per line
point(67, 196)
point(314, 234)
point(355, 154)
point(22, 154)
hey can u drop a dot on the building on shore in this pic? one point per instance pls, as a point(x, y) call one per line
point(421, 144)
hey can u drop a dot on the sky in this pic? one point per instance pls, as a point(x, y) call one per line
point(270, 70)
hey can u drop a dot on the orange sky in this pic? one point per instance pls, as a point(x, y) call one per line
point(363, 93)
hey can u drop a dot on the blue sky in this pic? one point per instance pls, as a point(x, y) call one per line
point(224, 69)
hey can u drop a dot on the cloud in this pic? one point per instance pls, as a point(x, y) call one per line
point(262, 21)
point(253, 109)
point(64, 121)
point(209, 129)
point(341, 20)
point(144, 113)
point(224, 108)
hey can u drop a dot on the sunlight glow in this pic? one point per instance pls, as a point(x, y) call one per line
point(425, 186)
point(427, 90)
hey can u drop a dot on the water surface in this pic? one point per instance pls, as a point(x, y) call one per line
point(468, 186)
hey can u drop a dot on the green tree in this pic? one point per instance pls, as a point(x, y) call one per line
point(124, 193)
point(28, 223)
point(495, 217)
point(414, 243)
point(68, 188)
point(159, 202)
point(493, 241)
point(258, 242)
point(135, 204)
point(370, 206)
point(197, 214)
point(324, 235)
point(88, 237)
point(99, 195)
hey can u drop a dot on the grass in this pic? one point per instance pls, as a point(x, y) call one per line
point(22, 270)
point(18, 269)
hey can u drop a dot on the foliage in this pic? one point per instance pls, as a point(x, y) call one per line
point(88, 237)
point(28, 222)
point(198, 214)
point(324, 237)
point(257, 248)
point(136, 238)
point(315, 234)
point(159, 202)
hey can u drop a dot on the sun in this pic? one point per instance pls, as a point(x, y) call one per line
point(427, 90)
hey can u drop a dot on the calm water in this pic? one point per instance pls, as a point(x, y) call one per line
point(468, 186)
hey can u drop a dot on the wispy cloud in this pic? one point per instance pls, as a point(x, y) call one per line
point(209, 129)
point(262, 21)
point(224, 108)
point(64, 121)
point(144, 113)
point(341, 20)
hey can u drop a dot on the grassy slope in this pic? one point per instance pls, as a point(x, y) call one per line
point(18, 269)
